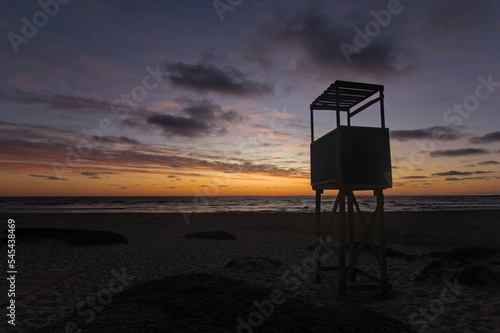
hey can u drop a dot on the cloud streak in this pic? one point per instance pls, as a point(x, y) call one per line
point(203, 78)
point(438, 133)
point(56, 102)
point(414, 177)
point(487, 138)
point(115, 139)
point(466, 178)
point(453, 173)
point(489, 163)
point(459, 152)
point(461, 173)
point(196, 119)
point(48, 177)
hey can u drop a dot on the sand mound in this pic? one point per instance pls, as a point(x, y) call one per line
point(434, 268)
point(469, 265)
point(204, 303)
point(466, 253)
point(467, 274)
point(475, 275)
point(72, 236)
point(216, 234)
point(253, 263)
point(367, 247)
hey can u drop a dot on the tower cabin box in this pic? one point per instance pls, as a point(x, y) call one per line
point(350, 156)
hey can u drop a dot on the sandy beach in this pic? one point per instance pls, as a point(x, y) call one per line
point(444, 268)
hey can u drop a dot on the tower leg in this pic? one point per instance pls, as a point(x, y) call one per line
point(342, 267)
point(350, 219)
point(317, 262)
point(381, 239)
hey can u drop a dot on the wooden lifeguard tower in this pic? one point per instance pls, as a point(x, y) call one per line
point(348, 159)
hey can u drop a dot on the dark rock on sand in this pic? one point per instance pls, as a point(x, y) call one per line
point(216, 234)
point(72, 236)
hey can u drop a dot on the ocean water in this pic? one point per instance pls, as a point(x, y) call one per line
point(226, 204)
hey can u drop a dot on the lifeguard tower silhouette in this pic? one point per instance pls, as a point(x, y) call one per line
point(349, 159)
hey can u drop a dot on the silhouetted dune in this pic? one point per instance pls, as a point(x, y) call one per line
point(206, 303)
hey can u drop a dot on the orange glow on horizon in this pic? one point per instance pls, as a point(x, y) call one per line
point(193, 184)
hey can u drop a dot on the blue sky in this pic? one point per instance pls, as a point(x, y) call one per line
point(212, 97)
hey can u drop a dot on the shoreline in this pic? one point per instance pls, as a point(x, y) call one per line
point(235, 204)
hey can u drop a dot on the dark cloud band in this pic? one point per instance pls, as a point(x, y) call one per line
point(459, 152)
point(208, 78)
point(439, 133)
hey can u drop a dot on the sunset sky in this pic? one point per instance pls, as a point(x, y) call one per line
point(212, 97)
